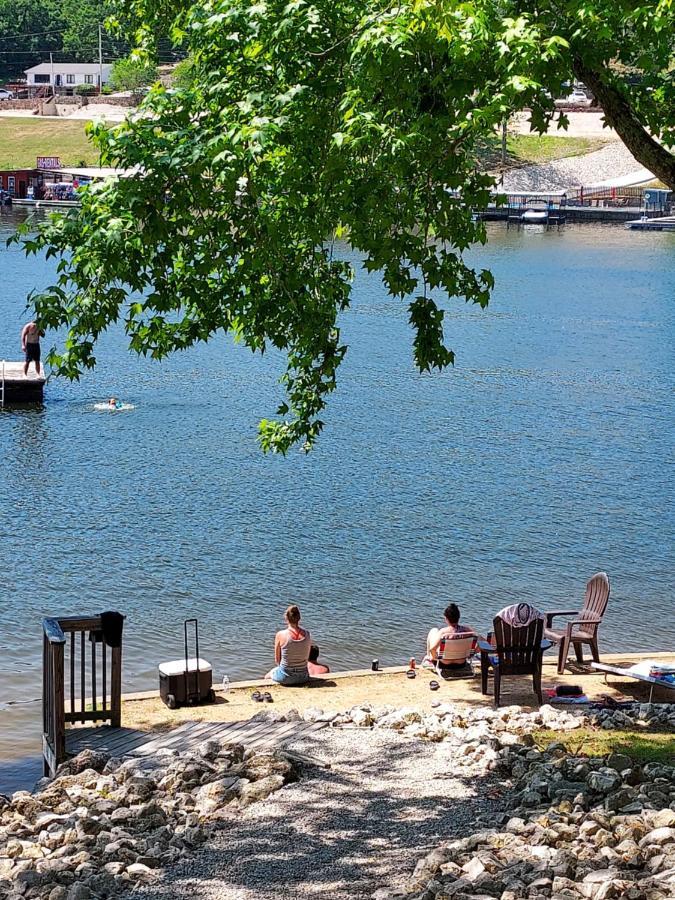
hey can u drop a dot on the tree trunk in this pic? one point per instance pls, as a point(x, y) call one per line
point(620, 116)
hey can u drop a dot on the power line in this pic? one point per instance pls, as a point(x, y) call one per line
point(110, 46)
point(7, 37)
point(59, 52)
point(87, 49)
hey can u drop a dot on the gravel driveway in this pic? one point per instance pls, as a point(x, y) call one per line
point(339, 833)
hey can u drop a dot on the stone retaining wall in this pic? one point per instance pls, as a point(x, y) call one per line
point(18, 104)
point(64, 100)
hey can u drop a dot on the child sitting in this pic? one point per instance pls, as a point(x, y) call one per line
point(314, 667)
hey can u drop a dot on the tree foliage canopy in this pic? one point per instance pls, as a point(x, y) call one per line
point(304, 123)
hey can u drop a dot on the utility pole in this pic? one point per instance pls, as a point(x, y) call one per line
point(503, 145)
point(100, 60)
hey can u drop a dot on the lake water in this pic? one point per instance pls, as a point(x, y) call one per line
point(543, 456)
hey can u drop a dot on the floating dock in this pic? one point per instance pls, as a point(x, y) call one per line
point(15, 387)
point(663, 223)
point(39, 204)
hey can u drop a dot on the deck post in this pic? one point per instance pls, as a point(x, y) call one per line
point(53, 712)
point(116, 687)
point(59, 704)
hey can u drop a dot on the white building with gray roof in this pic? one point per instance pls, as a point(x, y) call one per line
point(68, 75)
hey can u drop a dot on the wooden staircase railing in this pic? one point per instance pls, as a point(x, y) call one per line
point(81, 681)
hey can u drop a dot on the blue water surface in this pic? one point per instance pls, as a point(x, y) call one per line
point(543, 456)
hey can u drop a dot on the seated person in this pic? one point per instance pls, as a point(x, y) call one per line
point(315, 667)
point(291, 651)
point(452, 628)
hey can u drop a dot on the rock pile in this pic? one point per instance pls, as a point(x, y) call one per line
point(593, 828)
point(479, 732)
point(448, 716)
point(104, 824)
point(637, 715)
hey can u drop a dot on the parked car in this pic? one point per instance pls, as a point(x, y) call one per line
point(6, 95)
point(576, 98)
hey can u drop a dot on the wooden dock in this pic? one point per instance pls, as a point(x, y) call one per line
point(251, 733)
point(15, 387)
point(663, 223)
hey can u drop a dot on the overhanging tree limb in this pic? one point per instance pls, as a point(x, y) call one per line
point(620, 116)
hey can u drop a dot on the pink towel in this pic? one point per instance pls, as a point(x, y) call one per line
point(519, 615)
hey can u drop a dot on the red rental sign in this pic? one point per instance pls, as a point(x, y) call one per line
point(49, 162)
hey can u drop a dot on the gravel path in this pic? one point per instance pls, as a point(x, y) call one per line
point(613, 161)
point(339, 833)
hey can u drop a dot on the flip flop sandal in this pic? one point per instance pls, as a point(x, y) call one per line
point(434, 685)
point(257, 697)
point(411, 673)
point(267, 697)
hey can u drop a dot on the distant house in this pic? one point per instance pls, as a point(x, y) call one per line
point(66, 76)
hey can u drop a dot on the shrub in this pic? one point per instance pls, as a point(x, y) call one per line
point(183, 75)
point(85, 90)
point(132, 75)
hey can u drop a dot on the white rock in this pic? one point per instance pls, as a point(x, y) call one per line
point(362, 718)
point(138, 871)
point(473, 869)
point(664, 835)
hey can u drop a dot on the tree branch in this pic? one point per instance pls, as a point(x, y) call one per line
point(621, 117)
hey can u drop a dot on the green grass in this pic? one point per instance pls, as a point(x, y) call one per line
point(524, 149)
point(22, 140)
point(642, 746)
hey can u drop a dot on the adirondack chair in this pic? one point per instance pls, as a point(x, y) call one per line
point(583, 629)
point(518, 651)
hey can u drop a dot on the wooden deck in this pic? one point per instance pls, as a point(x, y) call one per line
point(19, 388)
point(130, 742)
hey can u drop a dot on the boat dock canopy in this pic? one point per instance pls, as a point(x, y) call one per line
point(534, 195)
point(93, 173)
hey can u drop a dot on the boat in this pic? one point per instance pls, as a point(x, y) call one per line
point(535, 216)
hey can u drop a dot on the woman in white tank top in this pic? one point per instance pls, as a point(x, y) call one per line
point(291, 651)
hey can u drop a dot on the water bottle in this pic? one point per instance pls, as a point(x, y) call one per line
point(226, 684)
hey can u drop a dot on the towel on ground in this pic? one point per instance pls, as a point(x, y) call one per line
point(519, 615)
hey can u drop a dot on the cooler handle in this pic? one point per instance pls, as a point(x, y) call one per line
point(187, 657)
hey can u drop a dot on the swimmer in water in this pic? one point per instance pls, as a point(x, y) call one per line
point(114, 403)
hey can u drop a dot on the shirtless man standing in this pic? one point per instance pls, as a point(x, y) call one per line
point(30, 344)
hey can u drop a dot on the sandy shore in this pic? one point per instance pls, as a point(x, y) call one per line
point(342, 690)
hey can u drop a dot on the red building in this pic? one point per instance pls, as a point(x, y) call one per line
point(17, 181)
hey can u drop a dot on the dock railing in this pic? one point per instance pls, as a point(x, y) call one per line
point(81, 682)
